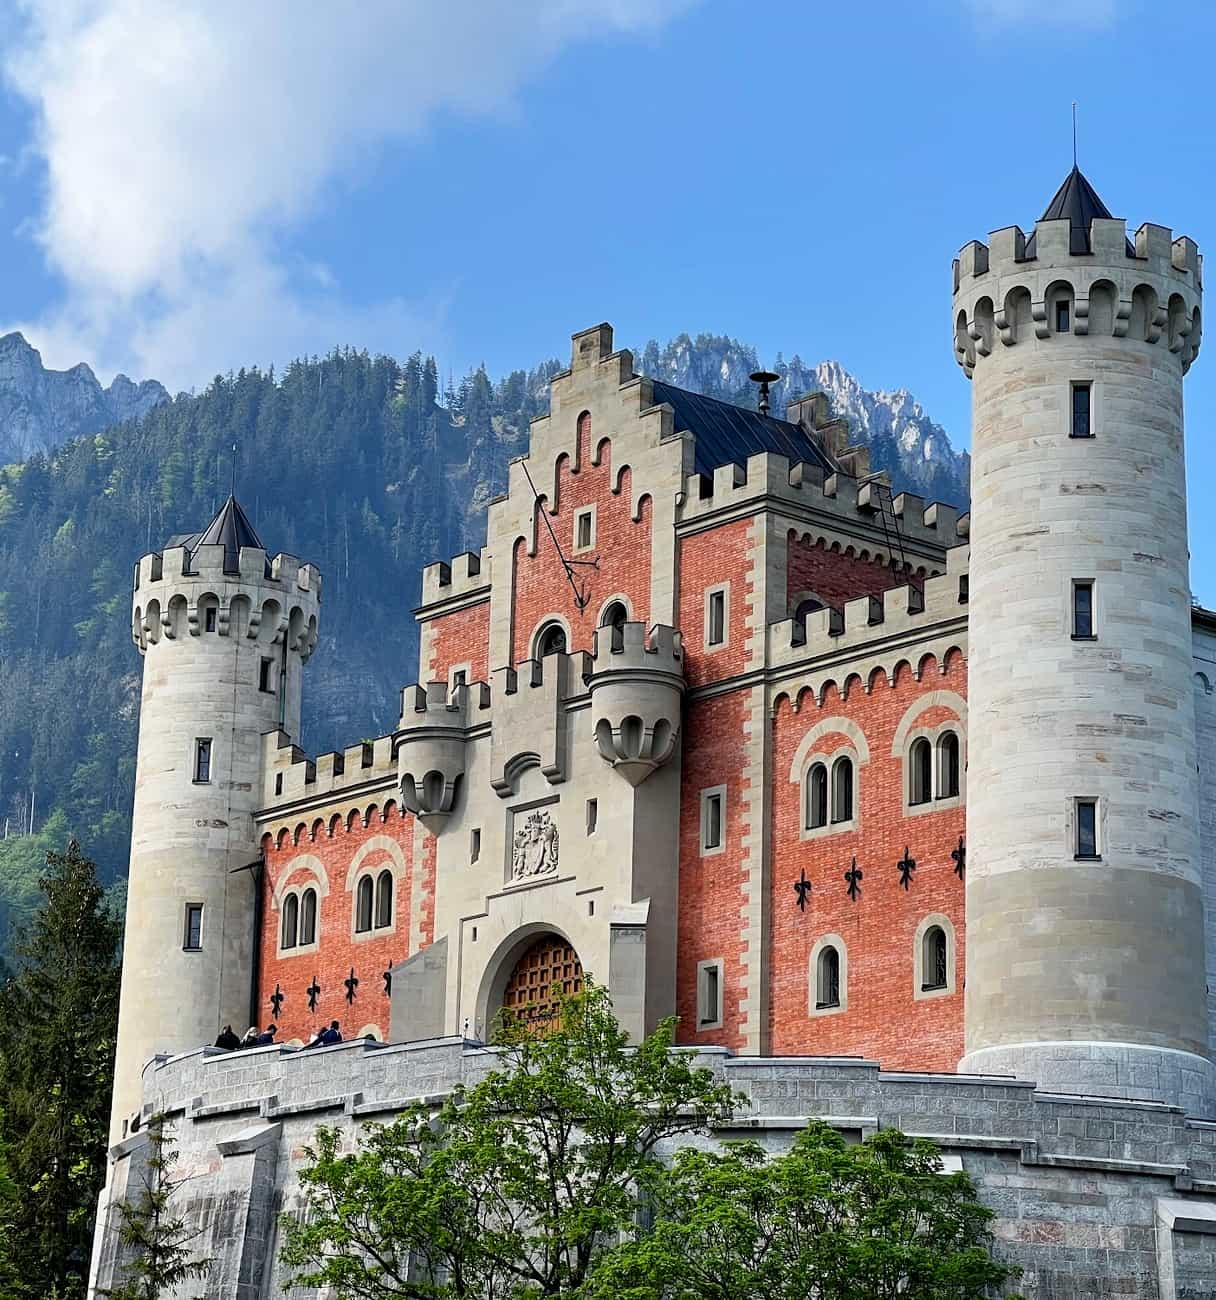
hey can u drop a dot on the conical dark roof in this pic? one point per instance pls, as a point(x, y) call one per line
point(1077, 202)
point(230, 529)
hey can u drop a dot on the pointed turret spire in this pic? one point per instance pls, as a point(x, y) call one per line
point(1077, 202)
point(230, 529)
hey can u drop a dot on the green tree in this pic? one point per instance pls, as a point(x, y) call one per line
point(156, 1239)
point(58, 1019)
point(513, 1186)
point(10, 1200)
point(823, 1221)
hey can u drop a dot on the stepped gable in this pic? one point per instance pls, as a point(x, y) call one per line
point(727, 434)
point(1077, 202)
point(230, 529)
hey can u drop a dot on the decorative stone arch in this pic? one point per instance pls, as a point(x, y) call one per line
point(931, 699)
point(236, 615)
point(807, 745)
point(542, 626)
point(617, 598)
point(270, 619)
point(501, 966)
point(943, 922)
point(1203, 683)
point(371, 1031)
point(303, 862)
point(374, 844)
point(826, 941)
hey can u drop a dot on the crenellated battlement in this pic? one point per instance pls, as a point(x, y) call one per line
point(289, 774)
point(1148, 289)
point(929, 529)
point(467, 572)
point(910, 610)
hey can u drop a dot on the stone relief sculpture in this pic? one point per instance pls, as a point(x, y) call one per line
point(534, 847)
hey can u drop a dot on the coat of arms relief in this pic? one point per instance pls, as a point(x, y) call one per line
point(534, 846)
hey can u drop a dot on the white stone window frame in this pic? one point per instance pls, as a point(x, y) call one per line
point(1095, 408)
point(717, 965)
point(301, 873)
point(358, 870)
point(919, 992)
point(935, 803)
point(187, 907)
point(812, 749)
point(1073, 821)
point(1095, 608)
point(583, 512)
point(711, 792)
point(542, 626)
point(718, 589)
point(842, 952)
point(829, 757)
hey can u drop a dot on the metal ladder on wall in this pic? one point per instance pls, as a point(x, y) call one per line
point(892, 534)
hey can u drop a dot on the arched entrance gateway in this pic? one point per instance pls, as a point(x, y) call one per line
point(549, 966)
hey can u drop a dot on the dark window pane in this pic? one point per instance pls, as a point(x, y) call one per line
point(1062, 316)
point(1083, 609)
point(1087, 829)
point(194, 926)
point(1080, 411)
point(202, 761)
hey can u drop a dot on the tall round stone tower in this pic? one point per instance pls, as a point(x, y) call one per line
point(1085, 953)
point(225, 634)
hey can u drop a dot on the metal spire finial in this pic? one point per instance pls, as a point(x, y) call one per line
point(1074, 135)
point(764, 378)
point(232, 488)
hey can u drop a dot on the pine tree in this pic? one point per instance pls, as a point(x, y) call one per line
point(156, 1239)
point(58, 1020)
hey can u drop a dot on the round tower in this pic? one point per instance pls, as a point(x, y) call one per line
point(1085, 953)
point(225, 634)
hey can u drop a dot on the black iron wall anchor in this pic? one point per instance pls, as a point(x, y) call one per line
point(352, 984)
point(853, 876)
point(314, 992)
point(960, 858)
point(802, 887)
point(277, 998)
point(906, 865)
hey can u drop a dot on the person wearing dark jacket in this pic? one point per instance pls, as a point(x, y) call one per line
point(228, 1040)
point(267, 1037)
point(325, 1037)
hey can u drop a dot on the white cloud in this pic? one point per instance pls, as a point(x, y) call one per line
point(1077, 13)
point(181, 141)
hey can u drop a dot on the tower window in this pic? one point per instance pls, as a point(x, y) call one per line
point(202, 760)
point(1082, 425)
point(715, 617)
point(827, 979)
point(289, 924)
point(209, 618)
point(842, 790)
point(475, 844)
point(192, 936)
point(363, 905)
point(1062, 312)
point(1087, 828)
point(948, 765)
point(1083, 611)
point(551, 641)
point(935, 960)
point(712, 819)
point(817, 797)
point(384, 900)
point(920, 771)
point(593, 815)
point(709, 994)
point(584, 529)
point(266, 676)
point(308, 916)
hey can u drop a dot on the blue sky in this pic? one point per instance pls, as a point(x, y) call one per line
point(188, 188)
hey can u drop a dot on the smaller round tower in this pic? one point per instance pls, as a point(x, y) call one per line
point(225, 633)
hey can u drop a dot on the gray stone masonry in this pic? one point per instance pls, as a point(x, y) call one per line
point(1094, 1197)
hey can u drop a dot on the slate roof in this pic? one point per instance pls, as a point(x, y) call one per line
point(1078, 202)
point(727, 434)
point(230, 529)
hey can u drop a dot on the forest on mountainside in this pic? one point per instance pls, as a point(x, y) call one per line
point(361, 464)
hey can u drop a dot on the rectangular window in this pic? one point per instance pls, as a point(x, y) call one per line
point(459, 678)
point(202, 760)
point(712, 819)
point(1082, 425)
point(584, 530)
point(1083, 611)
point(709, 994)
point(715, 618)
point(475, 845)
point(278, 783)
point(209, 619)
point(266, 676)
point(593, 812)
point(192, 936)
point(1062, 316)
point(1087, 828)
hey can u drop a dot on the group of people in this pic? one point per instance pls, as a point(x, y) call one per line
point(255, 1037)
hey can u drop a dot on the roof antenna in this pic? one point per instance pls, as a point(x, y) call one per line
point(232, 490)
point(1074, 135)
point(763, 378)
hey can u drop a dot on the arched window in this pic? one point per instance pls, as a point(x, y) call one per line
point(615, 617)
point(842, 790)
point(817, 796)
point(947, 765)
point(384, 900)
point(920, 771)
point(804, 608)
point(288, 925)
point(827, 979)
point(551, 640)
point(363, 905)
point(308, 916)
point(935, 973)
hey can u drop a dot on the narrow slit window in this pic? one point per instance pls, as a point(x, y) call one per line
point(1083, 610)
point(711, 991)
point(593, 812)
point(920, 771)
point(827, 981)
point(308, 916)
point(192, 938)
point(1082, 424)
point(583, 530)
point(817, 797)
point(1087, 828)
point(1062, 314)
point(384, 900)
point(475, 844)
point(842, 790)
point(363, 905)
point(266, 676)
point(948, 765)
point(291, 916)
point(934, 959)
point(715, 633)
point(202, 760)
point(711, 821)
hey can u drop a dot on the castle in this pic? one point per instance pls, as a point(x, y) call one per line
point(869, 794)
